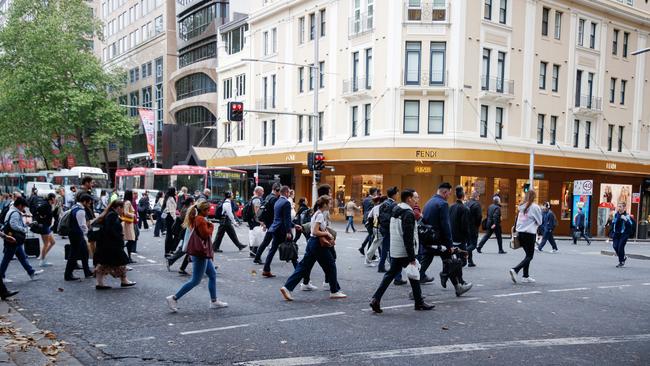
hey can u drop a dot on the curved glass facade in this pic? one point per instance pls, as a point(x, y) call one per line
point(194, 84)
point(200, 53)
point(195, 23)
point(196, 116)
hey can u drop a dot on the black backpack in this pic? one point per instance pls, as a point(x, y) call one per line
point(385, 213)
point(266, 211)
point(218, 211)
point(3, 215)
point(248, 213)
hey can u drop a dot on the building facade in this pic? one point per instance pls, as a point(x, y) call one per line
point(412, 93)
point(139, 37)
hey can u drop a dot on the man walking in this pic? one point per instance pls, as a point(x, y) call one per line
point(579, 224)
point(493, 225)
point(251, 218)
point(78, 246)
point(403, 247)
point(227, 225)
point(266, 215)
point(549, 222)
point(622, 225)
point(385, 214)
point(436, 214)
point(143, 211)
point(280, 229)
point(16, 228)
point(367, 206)
point(459, 217)
point(475, 218)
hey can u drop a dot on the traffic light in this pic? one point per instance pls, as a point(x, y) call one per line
point(317, 176)
point(526, 187)
point(129, 165)
point(319, 161)
point(310, 161)
point(235, 111)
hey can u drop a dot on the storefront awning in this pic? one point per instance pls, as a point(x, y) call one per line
point(201, 155)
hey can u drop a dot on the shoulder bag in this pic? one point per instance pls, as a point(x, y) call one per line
point(514, 238)
point(199, 247)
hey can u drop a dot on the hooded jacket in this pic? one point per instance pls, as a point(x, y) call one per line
point(403, 233)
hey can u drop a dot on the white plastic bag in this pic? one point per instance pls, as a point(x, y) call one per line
point(186, 240)
point(413, 271)
point(256, 236)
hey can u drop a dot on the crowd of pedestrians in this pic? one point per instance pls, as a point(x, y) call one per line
point(402, 240)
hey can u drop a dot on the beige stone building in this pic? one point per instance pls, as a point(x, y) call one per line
point(414, 92)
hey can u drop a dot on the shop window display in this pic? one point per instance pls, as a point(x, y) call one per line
point(567, 192)
point(502, 189)
point(610, 196)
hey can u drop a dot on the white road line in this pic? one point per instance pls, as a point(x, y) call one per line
point(518, 294)
point(214, 329)
point(151, 261)
point(312, 316)
point(570, 289)
point(645, 284)
point(454, 348)
point(237, 259)
point(141, 339)
point(139, 256)
point(462, 299)
point(615, 286)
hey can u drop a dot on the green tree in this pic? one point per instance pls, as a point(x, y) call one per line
point(52, 86)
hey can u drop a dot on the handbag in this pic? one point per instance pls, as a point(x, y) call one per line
point(514, 240)
point(426, 235)
point(288, 251)
point(198, 247)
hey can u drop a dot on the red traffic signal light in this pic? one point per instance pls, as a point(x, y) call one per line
point(319, 161)
point(235, 111)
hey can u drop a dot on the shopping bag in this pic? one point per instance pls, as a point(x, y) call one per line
point(413, 271)
point(256, 236)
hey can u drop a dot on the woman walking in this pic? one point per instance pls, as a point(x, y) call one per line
point(110, 258)
point(317, 252)
point(200, 250)
point(528, 220)
point(157, 213)
point(169, 215)
point(128, 222)
point(181, 251)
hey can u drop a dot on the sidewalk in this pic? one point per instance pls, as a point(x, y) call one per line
point(24, 344)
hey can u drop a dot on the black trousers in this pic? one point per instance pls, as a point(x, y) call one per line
point(169, 238)
point(268, 237)
point(225, 228)
point(528, 243)
point(396, 266)
point(497, 232)
point(472, 243)
point(143, 220)
point(78, 251)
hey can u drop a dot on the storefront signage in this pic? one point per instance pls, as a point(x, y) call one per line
point(290, 157)
point(422, 169)
point(636, 197)
point(610, 166)
point(306, 172)
point(555, 202)
point(426, 154)
point(583, 188)
point(538, 176)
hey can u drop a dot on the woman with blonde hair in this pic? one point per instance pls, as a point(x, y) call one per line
point(526, 224)
point(200, 249)
point(128, 221)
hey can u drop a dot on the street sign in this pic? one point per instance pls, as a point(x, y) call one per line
point(583, 187)
point(636, 197)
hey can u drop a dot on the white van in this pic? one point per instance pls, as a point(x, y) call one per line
point(43, 188)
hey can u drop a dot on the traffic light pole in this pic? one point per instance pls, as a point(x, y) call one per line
point(316, 127)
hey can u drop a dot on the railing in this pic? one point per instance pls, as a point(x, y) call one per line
point(426, 12)
point(353, 85)
point(360, 25)
point(589, 102)
point(434, 78)
point(267, 103)
point(497, 85)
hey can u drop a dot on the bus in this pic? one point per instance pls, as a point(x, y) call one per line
point(16, 182)
point(72, 177)
point(217, 179)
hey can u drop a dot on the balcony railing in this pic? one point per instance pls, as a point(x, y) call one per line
point(589, 102)
point(426, 12)
point(434, 78)
point(497, 85)
point(359, 83)
point(359, 25)
point(265, 103)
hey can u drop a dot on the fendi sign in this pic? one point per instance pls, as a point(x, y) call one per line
point(426, 154)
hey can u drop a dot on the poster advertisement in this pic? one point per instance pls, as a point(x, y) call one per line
point(148, 119)
point(566, 203)
point(581, 202)
point(610, 196)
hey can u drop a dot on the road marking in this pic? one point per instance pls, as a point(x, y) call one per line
point(454, 348)
point(141, 339)
point(570, 289)
point(312, 316)
point(237, 259)
point(615, 286)
point(139, 256)
point(518, 294)
point(151, 261)
point(646, 284)
point(462, 299)
point(214, 329)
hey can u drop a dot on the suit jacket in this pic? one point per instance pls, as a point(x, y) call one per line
point(494, 215)
point(282, 216)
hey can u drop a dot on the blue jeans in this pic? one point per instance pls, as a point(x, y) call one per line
point(160, 225)
point(315, 253)
point(19, 252)
point(199, 267)
point(619, 241)
point(350, 224)
point(548, 236)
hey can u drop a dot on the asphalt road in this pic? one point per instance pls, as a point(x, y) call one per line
point(581, 311)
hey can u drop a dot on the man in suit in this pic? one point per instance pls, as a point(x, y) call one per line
point(579, 224)
point(475, 217)
point(493, 225)
point(280, 229)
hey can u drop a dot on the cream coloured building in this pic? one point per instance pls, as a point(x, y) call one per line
point(415, 92)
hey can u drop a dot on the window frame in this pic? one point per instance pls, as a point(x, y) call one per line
point(369, 67)
point(612, 90)
point(615, 41)
point(621, 131)
point(592, 35)
point(367, 118)
point(553, 130)
point(587, 134)
point(301, 79)
point(419, 62)
point(404, 118)
point(503, 11)
point(542, 75)
point(540, 128)
point(301, 30)
point(322, 19)
point(441, 130)
point(487, 10)
point(626, 41)
point(623, 87)
point(354, 120)
point(555, 78)
point(434, 47)
point(545, 19)
point(557, 32)
point(483, 126)
point(610, 137)
point(576, 133)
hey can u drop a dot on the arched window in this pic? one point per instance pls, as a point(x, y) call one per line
point(195, 84)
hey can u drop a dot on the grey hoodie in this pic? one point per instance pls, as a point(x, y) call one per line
point(529, 222)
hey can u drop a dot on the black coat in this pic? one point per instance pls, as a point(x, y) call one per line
point(494, 215)
point(460, 222)
point(475, 215)
point(110, 248)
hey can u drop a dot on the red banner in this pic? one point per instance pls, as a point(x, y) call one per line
point(148, 119)
point(71, 161)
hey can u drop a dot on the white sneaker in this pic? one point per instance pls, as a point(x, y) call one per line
point(36, 273)
point(172, 303)
point(43, 263)
point(554, 251)
point(370, 263)
point(338, 295)
point(308, 287)
point(513, 275)
point(539, 249)
point(528, 280)
point(286, 294)
point(216, 304)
